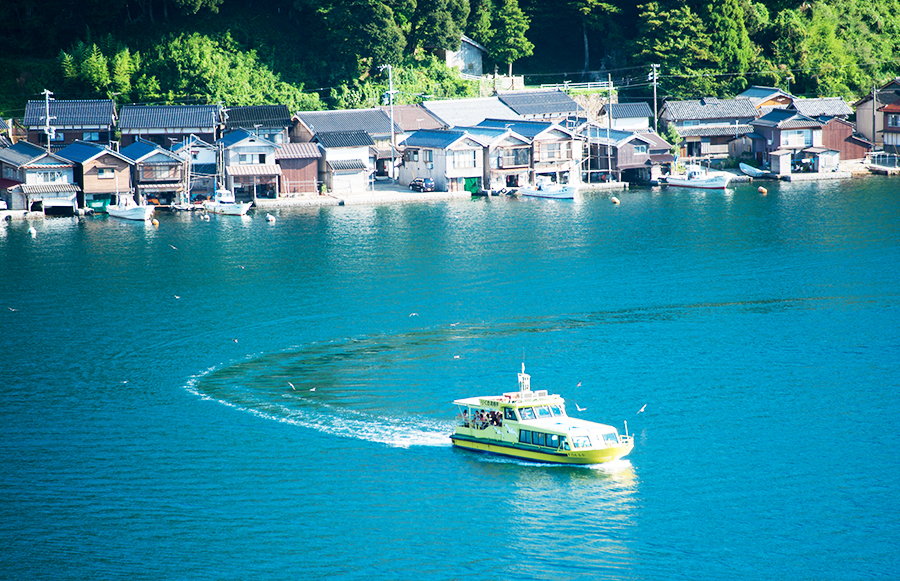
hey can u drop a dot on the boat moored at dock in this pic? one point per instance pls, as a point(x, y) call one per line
point(534, 425)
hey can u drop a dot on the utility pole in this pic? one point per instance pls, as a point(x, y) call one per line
point(655, 120)
point(391, 97)
point(48, 130)
point(608, 123)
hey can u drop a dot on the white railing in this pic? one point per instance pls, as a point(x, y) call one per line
point(578, 86)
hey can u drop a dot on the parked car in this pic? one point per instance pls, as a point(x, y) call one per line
point(422, 184)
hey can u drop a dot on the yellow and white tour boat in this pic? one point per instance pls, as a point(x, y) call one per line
point(534, 425)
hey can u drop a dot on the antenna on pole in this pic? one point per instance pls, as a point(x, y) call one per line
point(391, 92)
point(48, 130)
point(608, 123)
point(655, 120)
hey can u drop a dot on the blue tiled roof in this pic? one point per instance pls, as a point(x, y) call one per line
point(529, 129)
point(169, 116)
point(239, 135)
point(784, 119)
point(138, 149)
point(82, 151)
point(434, 138)
point(99, 112)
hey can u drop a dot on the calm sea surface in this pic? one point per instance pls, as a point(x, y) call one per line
point(148, 428)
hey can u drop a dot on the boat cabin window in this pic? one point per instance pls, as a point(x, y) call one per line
point(527, 413)
point(611, 439)
point(542, 439)
point(537, 438)
point(557, 410)
point(581, 442)
point(525, 436)
point(543, 411)
point(509, 414)
point(553, 440)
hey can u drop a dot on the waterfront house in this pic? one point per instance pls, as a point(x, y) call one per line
point(346, 163)
point(627, 116)
point(840, 135)
point(203, 166)
point(102, 174)
point(556, 152)
point(619, 155)
point(790, 141)
point(452, 158)
point(33, 179)
point(167, 125)
point(92, 121)
point(270, 122)
point(299, 164)
point(468, 58)
point(706, 126)
point(249, 165)
point(506, 157)
point(374, 122)
point(469, 112)
point(767, 98)
point(890, 133)
point(159, 174)
point(870, 118)
point(546, 105)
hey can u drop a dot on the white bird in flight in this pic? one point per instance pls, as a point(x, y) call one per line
point(292, 386)
point(643, 408)
point(313, 389)
point(173, 248)
point(414, 314)
point(579, 408)
point(176, 296)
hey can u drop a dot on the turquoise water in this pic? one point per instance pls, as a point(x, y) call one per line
point(146, 436)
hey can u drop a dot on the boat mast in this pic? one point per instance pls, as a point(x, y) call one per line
point(524, 380)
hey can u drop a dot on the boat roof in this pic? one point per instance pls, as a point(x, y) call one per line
point(516, 399)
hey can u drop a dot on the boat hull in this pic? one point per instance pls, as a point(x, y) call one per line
point(751, 171)
point(591, 456)
point(553, 194)
point(139, 213)
point(235, 209)
point(716, 183)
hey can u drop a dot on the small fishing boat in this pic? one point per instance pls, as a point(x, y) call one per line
point(752, 171)
point(697, 177)
point(126, 209)
point(534, 425)
point(223, 203)
point(549, 190)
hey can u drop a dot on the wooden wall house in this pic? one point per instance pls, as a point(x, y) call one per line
point(556, 152)
point(840, 135)
point(102, 174)
point(159, 174)
point(869, 120)
point(707, 126)
point(299, 164)
point(92, 121)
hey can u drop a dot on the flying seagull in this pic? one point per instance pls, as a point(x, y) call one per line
point(414, 314)
point(235, 340)
point(579, 384)
point(643, 408)
point(579, 408)
point(292, 386)
point(12, 309)
point(313, 389)
point(176, 296)
point(173, 248)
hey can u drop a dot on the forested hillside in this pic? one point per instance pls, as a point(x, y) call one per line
point(316, 54)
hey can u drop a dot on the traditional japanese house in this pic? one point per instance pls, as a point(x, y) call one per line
point(34, 180)
point(91, 121)
point(102, 173)
point(168, 125)
point(299, 164)
point(159, 174)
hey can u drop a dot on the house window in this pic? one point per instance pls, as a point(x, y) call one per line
point(105, 173)
point(428, 156)
point(49, 177)
point(515, 157)
point(464, 159)
point(90, 136)
point(640, 149)
point(414, 155)
point(259, 158)
point(893, 120)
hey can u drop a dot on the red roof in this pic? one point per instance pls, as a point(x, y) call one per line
point(5, 184)
point(892, 108)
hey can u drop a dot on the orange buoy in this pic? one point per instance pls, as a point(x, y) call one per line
point(155, 222)
point(763, 190)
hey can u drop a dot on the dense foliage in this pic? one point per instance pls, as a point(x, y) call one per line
point(313, 54)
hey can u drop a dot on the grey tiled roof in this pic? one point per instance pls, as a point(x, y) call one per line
point(297, 151)
point(372, 121)
point(347, 165)
point(468, 112)
point(169, 116)
point(21, 153)
point(823, 107)
point(263, 115)
point(344, 139)
point(711, 108)
point(539, 102)
point(98, 112)
point(715, 131)
point(627, 110)
point(413, 117)
point(784, 119)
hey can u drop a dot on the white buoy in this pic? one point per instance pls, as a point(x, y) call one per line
point(155, 222)
point(615, 200)
point(270, 217)
point(762, 190)
point(32, 231)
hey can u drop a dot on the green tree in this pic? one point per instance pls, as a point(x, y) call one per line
point(729, 35)
point(479, 26)
point(510, 43)
point(594, 14)
point(677, 40)
point(439, 24)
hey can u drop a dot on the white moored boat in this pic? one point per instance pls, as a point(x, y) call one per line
point(126, 208)
point(549, 190)
point(223, 203)
point(752, 171)
point(534, 425)
point(697, 177)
